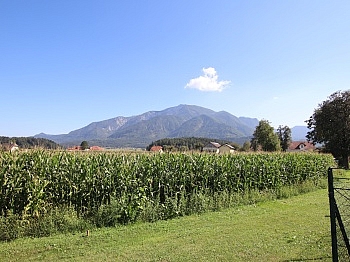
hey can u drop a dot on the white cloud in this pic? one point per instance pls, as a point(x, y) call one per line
point(208, 82)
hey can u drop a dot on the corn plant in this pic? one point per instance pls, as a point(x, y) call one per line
point(33, 181)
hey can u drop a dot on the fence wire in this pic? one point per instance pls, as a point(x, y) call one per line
point(341, 213)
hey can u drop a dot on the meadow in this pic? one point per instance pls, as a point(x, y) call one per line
point(45, 192)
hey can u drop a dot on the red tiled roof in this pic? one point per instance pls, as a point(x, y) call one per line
point(156, 148)
point(96, 148)
point(75, 148)
point(301, 145)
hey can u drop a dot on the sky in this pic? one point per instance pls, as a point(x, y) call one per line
point(65, 64)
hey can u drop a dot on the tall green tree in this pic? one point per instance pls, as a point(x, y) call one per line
point(284, 134)
point(264, 138)
point(246, 146)
point(330, 125)
point(84, 145)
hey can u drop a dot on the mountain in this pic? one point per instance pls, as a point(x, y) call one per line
point(299, 133)
point(178, 121)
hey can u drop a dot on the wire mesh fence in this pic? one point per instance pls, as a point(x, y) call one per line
point(339, 199)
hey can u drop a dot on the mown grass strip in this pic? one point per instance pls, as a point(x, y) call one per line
point(294, 229)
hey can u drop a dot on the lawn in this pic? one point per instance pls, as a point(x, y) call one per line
point(294, 229)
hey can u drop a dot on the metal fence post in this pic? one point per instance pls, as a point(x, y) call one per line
point(332, 209)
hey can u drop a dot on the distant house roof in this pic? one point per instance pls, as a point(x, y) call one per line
point(226, 149)
point(156, 149)
point(75, 148)
point(301, 146)
point(229, 146)
point(9, 146)
point(213, 145)
point(96, 148)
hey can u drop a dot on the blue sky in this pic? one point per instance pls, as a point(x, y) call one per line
point(65, 64)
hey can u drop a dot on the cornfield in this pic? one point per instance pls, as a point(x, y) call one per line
point(34, 181)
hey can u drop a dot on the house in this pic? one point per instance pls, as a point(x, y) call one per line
point(300, 146)
point(224, 149)
point(156, 149)
point(92, 148)
point(14, 147)
point(11, 147)
point(74, 148)
point(96, 148)
point(212, 147)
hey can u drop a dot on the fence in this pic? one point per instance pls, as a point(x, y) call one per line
point(339, 203)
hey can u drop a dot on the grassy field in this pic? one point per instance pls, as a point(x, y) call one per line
point(294, 229)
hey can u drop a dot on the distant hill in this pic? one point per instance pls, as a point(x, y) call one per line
point(173, 122)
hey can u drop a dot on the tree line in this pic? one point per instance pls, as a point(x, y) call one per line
point(187, 143)
point(29, 142)
point(329, 126)
point(266, 139)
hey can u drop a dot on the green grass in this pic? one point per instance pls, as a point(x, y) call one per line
point(294, 229)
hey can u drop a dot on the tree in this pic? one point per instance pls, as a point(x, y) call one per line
point(264, 137)
point(330, 125)
point(246, 146)
point(84, 145)
point(284, 134)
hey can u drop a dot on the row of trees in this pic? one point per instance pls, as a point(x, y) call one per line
point(29, 142)
point(329, 125)
point(265, 138)
point(187, 143)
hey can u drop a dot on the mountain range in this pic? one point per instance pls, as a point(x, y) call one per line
point(179, 121)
